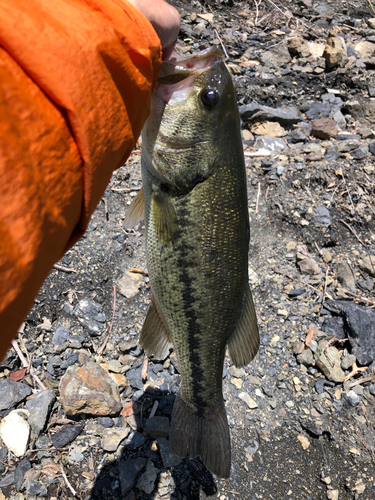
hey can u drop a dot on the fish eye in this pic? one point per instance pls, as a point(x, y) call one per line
point(210, 98)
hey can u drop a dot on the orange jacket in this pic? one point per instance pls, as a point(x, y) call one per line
point(76, 78)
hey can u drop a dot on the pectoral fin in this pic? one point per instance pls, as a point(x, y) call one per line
point(164, 216)
point(155, 338)
point(136, 211)
point(244, 342)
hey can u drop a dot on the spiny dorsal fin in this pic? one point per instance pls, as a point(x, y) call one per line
point(155, 338)
point(244, 341)
point(136, 211)
point(164, 216)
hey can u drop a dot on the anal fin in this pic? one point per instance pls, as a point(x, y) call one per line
point(136, 212)
point(244, 341)
point(155, 338)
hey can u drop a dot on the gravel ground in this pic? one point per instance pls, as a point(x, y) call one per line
point(302, 414)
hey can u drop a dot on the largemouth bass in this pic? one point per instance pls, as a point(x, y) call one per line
point(197, 240)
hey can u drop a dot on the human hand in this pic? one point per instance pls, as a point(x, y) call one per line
point(165, 20)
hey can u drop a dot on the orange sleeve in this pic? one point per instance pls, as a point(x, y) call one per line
point(76, 78)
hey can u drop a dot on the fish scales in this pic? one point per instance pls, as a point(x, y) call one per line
point(197, 237)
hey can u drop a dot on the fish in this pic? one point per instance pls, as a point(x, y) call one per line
point(194, 203)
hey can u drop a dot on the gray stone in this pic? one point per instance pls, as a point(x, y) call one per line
point(332, 370)
point(301, 133)
point(368, 264)
point(66, 435)
point(306, 357)
point(12, 393)
point(339, 119)
point(20, 472)
point(322, 216)
point(128, 471)
point(90, 314)
point(134, 377)
point(146, 482)
point(106, 422)
point(157, 427)
point(39, 409)
point(334, 326)
point(285, 115)
point(7, 480)
point(347, 361)
point(60, 336)
point(345, 276)
point(317, 110)
point(113, 437)
point(168, 457)
point(350, 399)
point(359, 324)
point(135, 440)
point(309, 266)
point(35, 489)
point(276, 57)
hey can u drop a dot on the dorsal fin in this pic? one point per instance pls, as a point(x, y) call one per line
point(244, 342)
point(136, 212)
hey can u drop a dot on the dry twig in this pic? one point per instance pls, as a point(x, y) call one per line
point(74, 493)
point(355, 371)
point(65, 269)
point(138, 270)
point(222, 45)
point(362, 381)
point(99, 352)
point(126, 190)
point(352, 231)
point(327, 351)
point(154, 408)
point(25, 364)
point(257, 203)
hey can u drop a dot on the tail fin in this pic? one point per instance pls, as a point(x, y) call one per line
point(207, 436)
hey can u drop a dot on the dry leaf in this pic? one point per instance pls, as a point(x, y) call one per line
point(129, 409)
point(18, 374)
point(46, 325)
point(50, 469)
point(309, 336)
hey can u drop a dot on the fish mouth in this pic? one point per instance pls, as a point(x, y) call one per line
point(176, 69)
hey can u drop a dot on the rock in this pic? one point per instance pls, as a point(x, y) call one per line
point(359, 324)
point(339, 119)
point(115, 366)
point(276, 57)
point(296, 292)
point(345, 276)
point(271, 143)
point(309, 266)
point(331, 371)
point(12, 393)
point(334, 326)
point(66, 435)
point(305, 443)
point(20, 472)
point(6, 480)
point(317, 110)
point(60, 336)
point(347, 361)
point(285, 115)
point(301, 133)
point(146, 482)
point(90, 314)
point(248, 400)
point(112, 437)
point(128, 471)
point(270, 129)
point(333, 494)
point(129, 284)
point(306, 357)
point(39, 409)
point(322, 216)
point(361, 111)
point(335, 51)
point(365, 49)
point(324, 128)
point(368, 265)
point(135, 440)
point(157, 427)
point(15, 432)
point(350, 399)
point(89, 389)
point(35, 489)
point(134, 377)
point(106, 422)
point(168, 457)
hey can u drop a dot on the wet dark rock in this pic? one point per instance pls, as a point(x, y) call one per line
point(134, 377)
point(69, 361)
point(12, 393)
point(66, 435)
point(359, 324)
point(135, 440)
point(334, 326)
point(296, 292)
point(360, 153)
point(256, 112)
point(322, 216)
point(35, 489)
point(39, 409)
point(157, 427)
point(90, 314)
point(20, 472)
point(168, 457)
point(128, 472)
